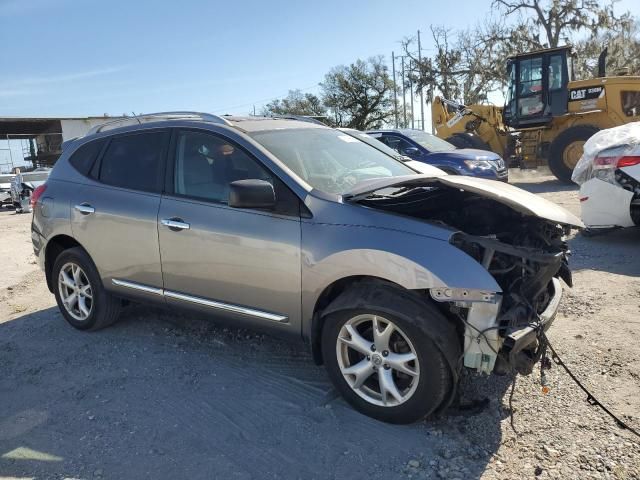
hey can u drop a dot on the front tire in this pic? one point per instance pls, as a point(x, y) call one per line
point(566, 149)
point(384, 365)
point(79, 293)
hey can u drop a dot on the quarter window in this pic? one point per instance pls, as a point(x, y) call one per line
point(83, 158)
point(134, 161)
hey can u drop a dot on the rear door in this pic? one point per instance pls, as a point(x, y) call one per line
point(114, 214)
point(241, 263)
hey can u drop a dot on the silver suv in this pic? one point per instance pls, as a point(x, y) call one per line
point(396, 280)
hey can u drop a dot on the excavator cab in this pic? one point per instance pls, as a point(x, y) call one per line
point(537, 89)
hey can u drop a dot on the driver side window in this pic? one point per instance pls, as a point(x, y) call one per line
point(205, 165)
point(397, 143)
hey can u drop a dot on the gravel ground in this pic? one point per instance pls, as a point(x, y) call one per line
point(161, 395)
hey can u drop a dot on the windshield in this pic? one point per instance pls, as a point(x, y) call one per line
point(428, 141)
point(375, 143)
point(329, 160)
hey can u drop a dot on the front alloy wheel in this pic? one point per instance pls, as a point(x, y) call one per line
point(377, 360)
point(390, 363)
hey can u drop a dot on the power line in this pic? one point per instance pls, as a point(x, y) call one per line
point(249, 104)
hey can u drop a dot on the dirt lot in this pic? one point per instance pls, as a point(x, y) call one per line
point(166, 396)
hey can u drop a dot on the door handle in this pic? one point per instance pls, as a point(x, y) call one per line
point(175, 224)
point(85, 209)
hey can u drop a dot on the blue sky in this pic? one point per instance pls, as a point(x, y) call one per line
point(82, 58)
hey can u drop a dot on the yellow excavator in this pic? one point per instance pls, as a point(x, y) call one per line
point(547, 117)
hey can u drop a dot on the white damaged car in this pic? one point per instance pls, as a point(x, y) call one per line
point(609, 177)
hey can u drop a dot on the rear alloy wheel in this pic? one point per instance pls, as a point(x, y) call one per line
point(80, 296)
point(75, 291)
point(383, 369)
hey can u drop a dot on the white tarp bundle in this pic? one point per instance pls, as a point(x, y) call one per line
point(626, 138)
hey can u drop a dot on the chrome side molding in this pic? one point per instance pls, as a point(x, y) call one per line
point(137, 286)
point(227, 307)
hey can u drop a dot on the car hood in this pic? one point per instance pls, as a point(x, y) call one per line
point(468, 154)
point(514, 197)
point(425, 168)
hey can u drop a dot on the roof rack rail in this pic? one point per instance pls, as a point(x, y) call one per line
point(301, 118)
point(207, 117)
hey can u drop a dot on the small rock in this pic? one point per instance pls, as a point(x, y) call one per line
point(414, 463)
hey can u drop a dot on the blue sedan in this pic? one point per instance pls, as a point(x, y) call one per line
point(426, 148)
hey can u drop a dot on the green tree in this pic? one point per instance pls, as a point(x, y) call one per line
point(359, 95)
point(296, 103)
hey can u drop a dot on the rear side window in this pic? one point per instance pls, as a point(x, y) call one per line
point(82, 160)
point(134, 162)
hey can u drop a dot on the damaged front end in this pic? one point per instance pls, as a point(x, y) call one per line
point(503, 336)
point(519, 239)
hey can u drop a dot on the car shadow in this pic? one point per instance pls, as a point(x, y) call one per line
point(615, 252)
point(160, 395)
point(547, 186)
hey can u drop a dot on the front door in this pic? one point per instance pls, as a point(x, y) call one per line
point(242, 263)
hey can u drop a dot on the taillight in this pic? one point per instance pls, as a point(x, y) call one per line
point(37, 193)
point(604, 162)
point(628, 161)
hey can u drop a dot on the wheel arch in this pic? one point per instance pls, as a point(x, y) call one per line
point(55, 246)
point(378, 294)
point(328, 295)
point(367, 291)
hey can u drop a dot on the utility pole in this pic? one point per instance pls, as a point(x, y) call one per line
point(395, 89)
point(411, 94)
point(404, 95)
point(421, 92)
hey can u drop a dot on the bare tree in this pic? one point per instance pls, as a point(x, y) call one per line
point(623, 45)
point(359, 95)
point(558, 20)
point(466, 65)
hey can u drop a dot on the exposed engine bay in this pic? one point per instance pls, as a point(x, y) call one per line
point(526, 254)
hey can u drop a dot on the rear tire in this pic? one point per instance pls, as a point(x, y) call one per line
point(423, 385)
point(79, 292)
point(468, 140)
point(560, 148)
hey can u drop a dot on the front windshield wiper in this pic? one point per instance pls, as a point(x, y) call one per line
point(372, 195)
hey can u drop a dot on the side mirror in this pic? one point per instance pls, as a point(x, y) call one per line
point(410, 151)
point(251, 193)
